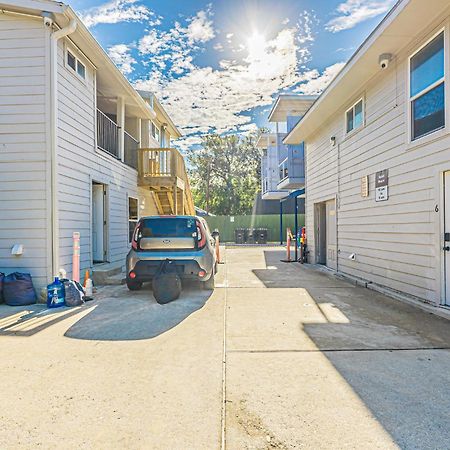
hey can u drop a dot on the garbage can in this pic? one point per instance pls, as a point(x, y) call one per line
point(261, 235)
point(251, 236)
point(239, 235)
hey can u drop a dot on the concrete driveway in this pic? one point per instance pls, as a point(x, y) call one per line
point(279, 356)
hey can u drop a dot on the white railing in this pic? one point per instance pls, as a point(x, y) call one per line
point(283, 169)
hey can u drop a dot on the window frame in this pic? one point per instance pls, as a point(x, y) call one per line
point(352, 108)
point(129, 220)
point(75, 71)
point(410, 99)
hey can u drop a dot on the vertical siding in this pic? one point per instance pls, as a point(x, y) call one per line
point(396, 242)
point(79, 164)
point(24, 166)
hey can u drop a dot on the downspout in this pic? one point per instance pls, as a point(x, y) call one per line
point(54, 38)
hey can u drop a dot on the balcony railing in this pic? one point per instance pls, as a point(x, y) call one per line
point(131, 146)
point(265, 185)
point(165, 168)
point(107, 134)
point(283, 168)
point(161, 162)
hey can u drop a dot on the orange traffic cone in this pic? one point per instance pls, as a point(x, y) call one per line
point(86, 277)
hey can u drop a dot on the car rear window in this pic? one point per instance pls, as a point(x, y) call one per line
point(168, 227)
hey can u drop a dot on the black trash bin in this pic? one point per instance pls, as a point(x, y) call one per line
point(251, 236)
point(239, 236)
point(261, 235)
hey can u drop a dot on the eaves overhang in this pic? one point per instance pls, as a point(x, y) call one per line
point(397, 30)
point(62, 14)
point(290, 104)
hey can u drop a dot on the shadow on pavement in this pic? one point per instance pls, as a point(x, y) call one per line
point(394, 356)
point(31, 319)
point(122, 315)
point(278, 274)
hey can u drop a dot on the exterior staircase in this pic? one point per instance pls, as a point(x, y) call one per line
point(163, 171)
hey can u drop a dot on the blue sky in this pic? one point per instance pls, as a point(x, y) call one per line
point(218, 65)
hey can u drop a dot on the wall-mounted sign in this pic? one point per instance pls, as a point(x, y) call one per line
point(381, 186)
point(365, 186)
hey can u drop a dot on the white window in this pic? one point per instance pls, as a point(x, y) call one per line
point(354, 117)
point(426, 88)
point(133, 216)
point(155, 131)
point(75, 64)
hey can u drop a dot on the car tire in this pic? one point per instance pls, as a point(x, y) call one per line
point(133, 285)
point(209, 284)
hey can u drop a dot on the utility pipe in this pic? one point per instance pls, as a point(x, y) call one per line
point(54, 38)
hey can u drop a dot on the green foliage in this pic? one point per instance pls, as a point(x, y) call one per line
point(225, 173)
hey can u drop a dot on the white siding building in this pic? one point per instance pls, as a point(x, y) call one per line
point(378, 158)
point(70, 129)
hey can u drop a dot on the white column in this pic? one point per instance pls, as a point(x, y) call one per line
point(138, 130)
point(121, 123)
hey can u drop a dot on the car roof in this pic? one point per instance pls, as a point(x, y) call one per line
point(171, 217)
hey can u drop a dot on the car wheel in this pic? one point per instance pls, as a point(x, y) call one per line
point(133, 285)
point(209, 284)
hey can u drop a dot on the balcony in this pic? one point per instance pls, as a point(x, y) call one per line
point(108, 140)
point(131, 146)
point(107, 134)
point(163, 171)
point(291, 169)
point(269, 143)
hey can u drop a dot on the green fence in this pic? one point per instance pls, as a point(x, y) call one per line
point(226, 225)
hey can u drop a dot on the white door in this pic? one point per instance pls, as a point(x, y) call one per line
point(331, 234)
point(446, 240)
point(98, 222)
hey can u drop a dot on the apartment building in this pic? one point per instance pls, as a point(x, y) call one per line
point(80, 149)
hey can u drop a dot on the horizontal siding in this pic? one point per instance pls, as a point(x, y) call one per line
point(395, 242)
point(79, 163)
point(23, 148)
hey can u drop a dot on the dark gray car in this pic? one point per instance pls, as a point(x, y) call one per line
point(186, 240)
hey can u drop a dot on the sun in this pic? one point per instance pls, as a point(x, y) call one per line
point(256, 45)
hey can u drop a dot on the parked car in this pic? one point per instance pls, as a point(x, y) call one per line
point(186, 240)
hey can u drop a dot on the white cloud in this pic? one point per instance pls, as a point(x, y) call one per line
point(215, 99)
point(172, 50)
point(185, 143)
point(121, 56)
point(204, 100)
point(353, 12)
point(316, 82)
point(117, 11)
point(200, 28)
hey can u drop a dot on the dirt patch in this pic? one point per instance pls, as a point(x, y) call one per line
point(254, 428)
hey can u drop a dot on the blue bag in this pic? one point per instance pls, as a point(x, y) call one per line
point(18, 289)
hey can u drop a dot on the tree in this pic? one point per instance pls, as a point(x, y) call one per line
point(225, 173)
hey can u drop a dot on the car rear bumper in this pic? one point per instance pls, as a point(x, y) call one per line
point(186, 269)
point(188, 264)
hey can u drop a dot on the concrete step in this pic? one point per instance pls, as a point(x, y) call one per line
point(101, 273)
point(115, 280)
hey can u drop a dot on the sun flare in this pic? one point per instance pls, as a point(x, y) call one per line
point(256, 45)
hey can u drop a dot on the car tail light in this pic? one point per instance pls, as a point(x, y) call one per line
point(201, 235)
point(132, 275)
point(134, 240)
point(202, 273)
